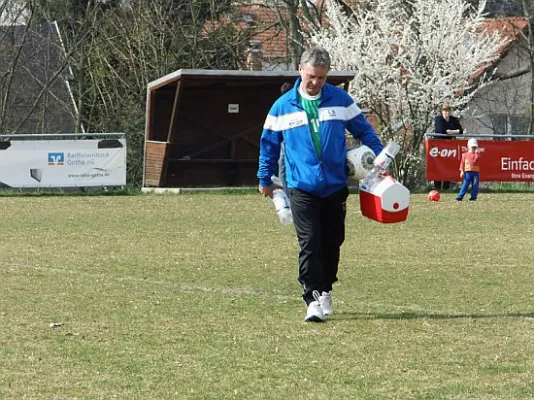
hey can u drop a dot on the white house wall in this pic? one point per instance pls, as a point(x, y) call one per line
point(510, 97)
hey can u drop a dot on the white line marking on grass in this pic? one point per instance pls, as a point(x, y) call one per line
point(182, 287)
point(243, 291)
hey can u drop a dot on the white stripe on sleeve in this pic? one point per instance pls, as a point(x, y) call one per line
point(284, 122)
point(339, 113)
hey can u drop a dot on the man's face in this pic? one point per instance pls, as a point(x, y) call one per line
point(313, 78)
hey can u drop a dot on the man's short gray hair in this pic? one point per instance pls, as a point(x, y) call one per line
point(316, 56)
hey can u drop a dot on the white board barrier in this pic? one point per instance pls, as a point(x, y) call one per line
point(62, 163)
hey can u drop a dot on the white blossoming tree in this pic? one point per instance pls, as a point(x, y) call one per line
point(409, 58)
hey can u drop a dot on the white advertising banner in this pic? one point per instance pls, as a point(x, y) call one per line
point(62, 163)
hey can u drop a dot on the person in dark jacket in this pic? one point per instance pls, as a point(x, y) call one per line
point(311, 119)
point(446, 124)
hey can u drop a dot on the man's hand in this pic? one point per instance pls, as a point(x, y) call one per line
point(461, 174)
point(267, 191)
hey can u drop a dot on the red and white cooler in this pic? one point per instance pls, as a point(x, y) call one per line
point(386, 200)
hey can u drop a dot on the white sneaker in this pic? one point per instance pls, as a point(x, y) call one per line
point(315, 311)
point(325, 300)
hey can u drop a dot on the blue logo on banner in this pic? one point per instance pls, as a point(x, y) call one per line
point(56, 158)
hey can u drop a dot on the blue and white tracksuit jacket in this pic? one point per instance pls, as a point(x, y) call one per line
point(287, 122)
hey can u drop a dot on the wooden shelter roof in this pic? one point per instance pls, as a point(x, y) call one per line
point(238, 77)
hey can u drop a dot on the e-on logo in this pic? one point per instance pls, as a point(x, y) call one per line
point(444, 153)
point(56, 158)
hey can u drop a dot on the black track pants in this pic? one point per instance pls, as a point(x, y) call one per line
point(320, 227)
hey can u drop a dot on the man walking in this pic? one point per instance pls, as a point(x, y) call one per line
point(311, 119)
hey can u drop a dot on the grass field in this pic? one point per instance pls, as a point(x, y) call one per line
point(194, 296)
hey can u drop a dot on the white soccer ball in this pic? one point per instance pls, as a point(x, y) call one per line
point(359, 161)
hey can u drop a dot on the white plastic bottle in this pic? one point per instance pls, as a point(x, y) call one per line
point(281, 204)
point(380, 164)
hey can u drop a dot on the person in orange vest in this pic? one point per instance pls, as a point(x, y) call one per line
point(470, 171)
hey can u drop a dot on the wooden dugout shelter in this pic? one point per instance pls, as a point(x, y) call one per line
point(203, 127)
